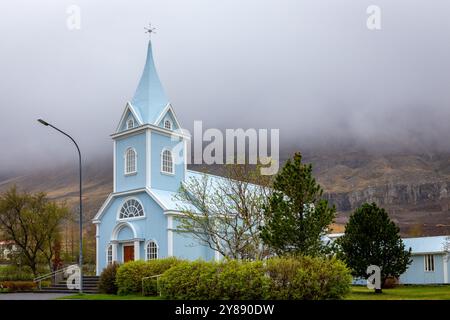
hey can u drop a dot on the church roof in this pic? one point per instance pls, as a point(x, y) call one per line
point(170, 202)
point(149, 100)
point(426, 244)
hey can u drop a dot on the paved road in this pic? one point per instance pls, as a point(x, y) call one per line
point(31, 296)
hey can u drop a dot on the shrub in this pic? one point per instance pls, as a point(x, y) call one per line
point(279, 278)
point(14, 273)
point(190, 280)
point(239, 280)
point(210, 280)
point(307, 278)
point(282, 271)
point(14, 286)
point(129, 275)
point(107, 282)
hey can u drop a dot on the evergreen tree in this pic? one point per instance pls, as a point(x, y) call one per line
point(296, 217)
point(371, 238)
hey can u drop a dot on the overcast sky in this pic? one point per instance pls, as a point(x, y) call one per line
point(310, 68)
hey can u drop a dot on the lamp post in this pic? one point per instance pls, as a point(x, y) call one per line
point(81, 201)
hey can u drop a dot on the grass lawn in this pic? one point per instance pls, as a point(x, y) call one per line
point(107, 297)
point(402, 293)
point(358, 293)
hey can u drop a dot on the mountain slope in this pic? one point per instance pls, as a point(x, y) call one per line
point(413, 188)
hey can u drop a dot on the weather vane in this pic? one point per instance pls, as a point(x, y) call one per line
point(149, 30)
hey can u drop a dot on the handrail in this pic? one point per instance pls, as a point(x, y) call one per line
point(51, 274)
point(157, 283)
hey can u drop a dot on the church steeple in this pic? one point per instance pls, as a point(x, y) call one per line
point(149, 100)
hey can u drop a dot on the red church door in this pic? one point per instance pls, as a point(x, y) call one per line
point(128, 253)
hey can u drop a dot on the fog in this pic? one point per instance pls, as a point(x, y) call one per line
point(310, 68)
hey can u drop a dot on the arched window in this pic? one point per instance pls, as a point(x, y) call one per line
point(130, 123)
point(131, 209)
point(152, 250)
point(166, 161)
point(109, 254)
point(130, 161)
point(168, 124)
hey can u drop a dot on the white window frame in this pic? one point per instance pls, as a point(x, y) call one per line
point(130, 218)
point(429, 263)
point(170, 124)
point(128, 123)
point(162, 162)
point(109, 248)
point(125, 156)
point(147, 252)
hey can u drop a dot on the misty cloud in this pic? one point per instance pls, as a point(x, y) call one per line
point(310, 68)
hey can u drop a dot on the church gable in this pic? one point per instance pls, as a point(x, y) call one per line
point(129, 119)
point(167, 119)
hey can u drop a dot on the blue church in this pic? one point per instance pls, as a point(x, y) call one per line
point(137, 219)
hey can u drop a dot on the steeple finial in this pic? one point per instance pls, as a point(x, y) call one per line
point(149, 30)
point(149, 99)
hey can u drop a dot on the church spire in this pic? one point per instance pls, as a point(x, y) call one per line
point(149, 99)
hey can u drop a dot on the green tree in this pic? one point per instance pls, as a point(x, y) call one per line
point(296, 216)
point(371, 238)
point(32, 222)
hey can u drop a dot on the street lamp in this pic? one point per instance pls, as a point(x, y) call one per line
point(81, 201)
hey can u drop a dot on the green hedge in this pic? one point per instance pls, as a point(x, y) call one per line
point(280, 278)
point(308, 278)
point(129, 275)
point(242, 280)
point(190, 280)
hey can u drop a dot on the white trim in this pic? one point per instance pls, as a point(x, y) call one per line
point(97, 249)
point(129, 107)
point(161, 161)
point(427, 252)
point(112, 196)
point(114, 166)
point(125, 162)
point(102, 208)
point(114, 251)
point(148, 159)
point(146, 243)
point(164, 112)
point(445, 261)
point(120, 226)
point(170, 236)
point(137, 250)
point(133, 218)
point(109, 244)
point(151, 127)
